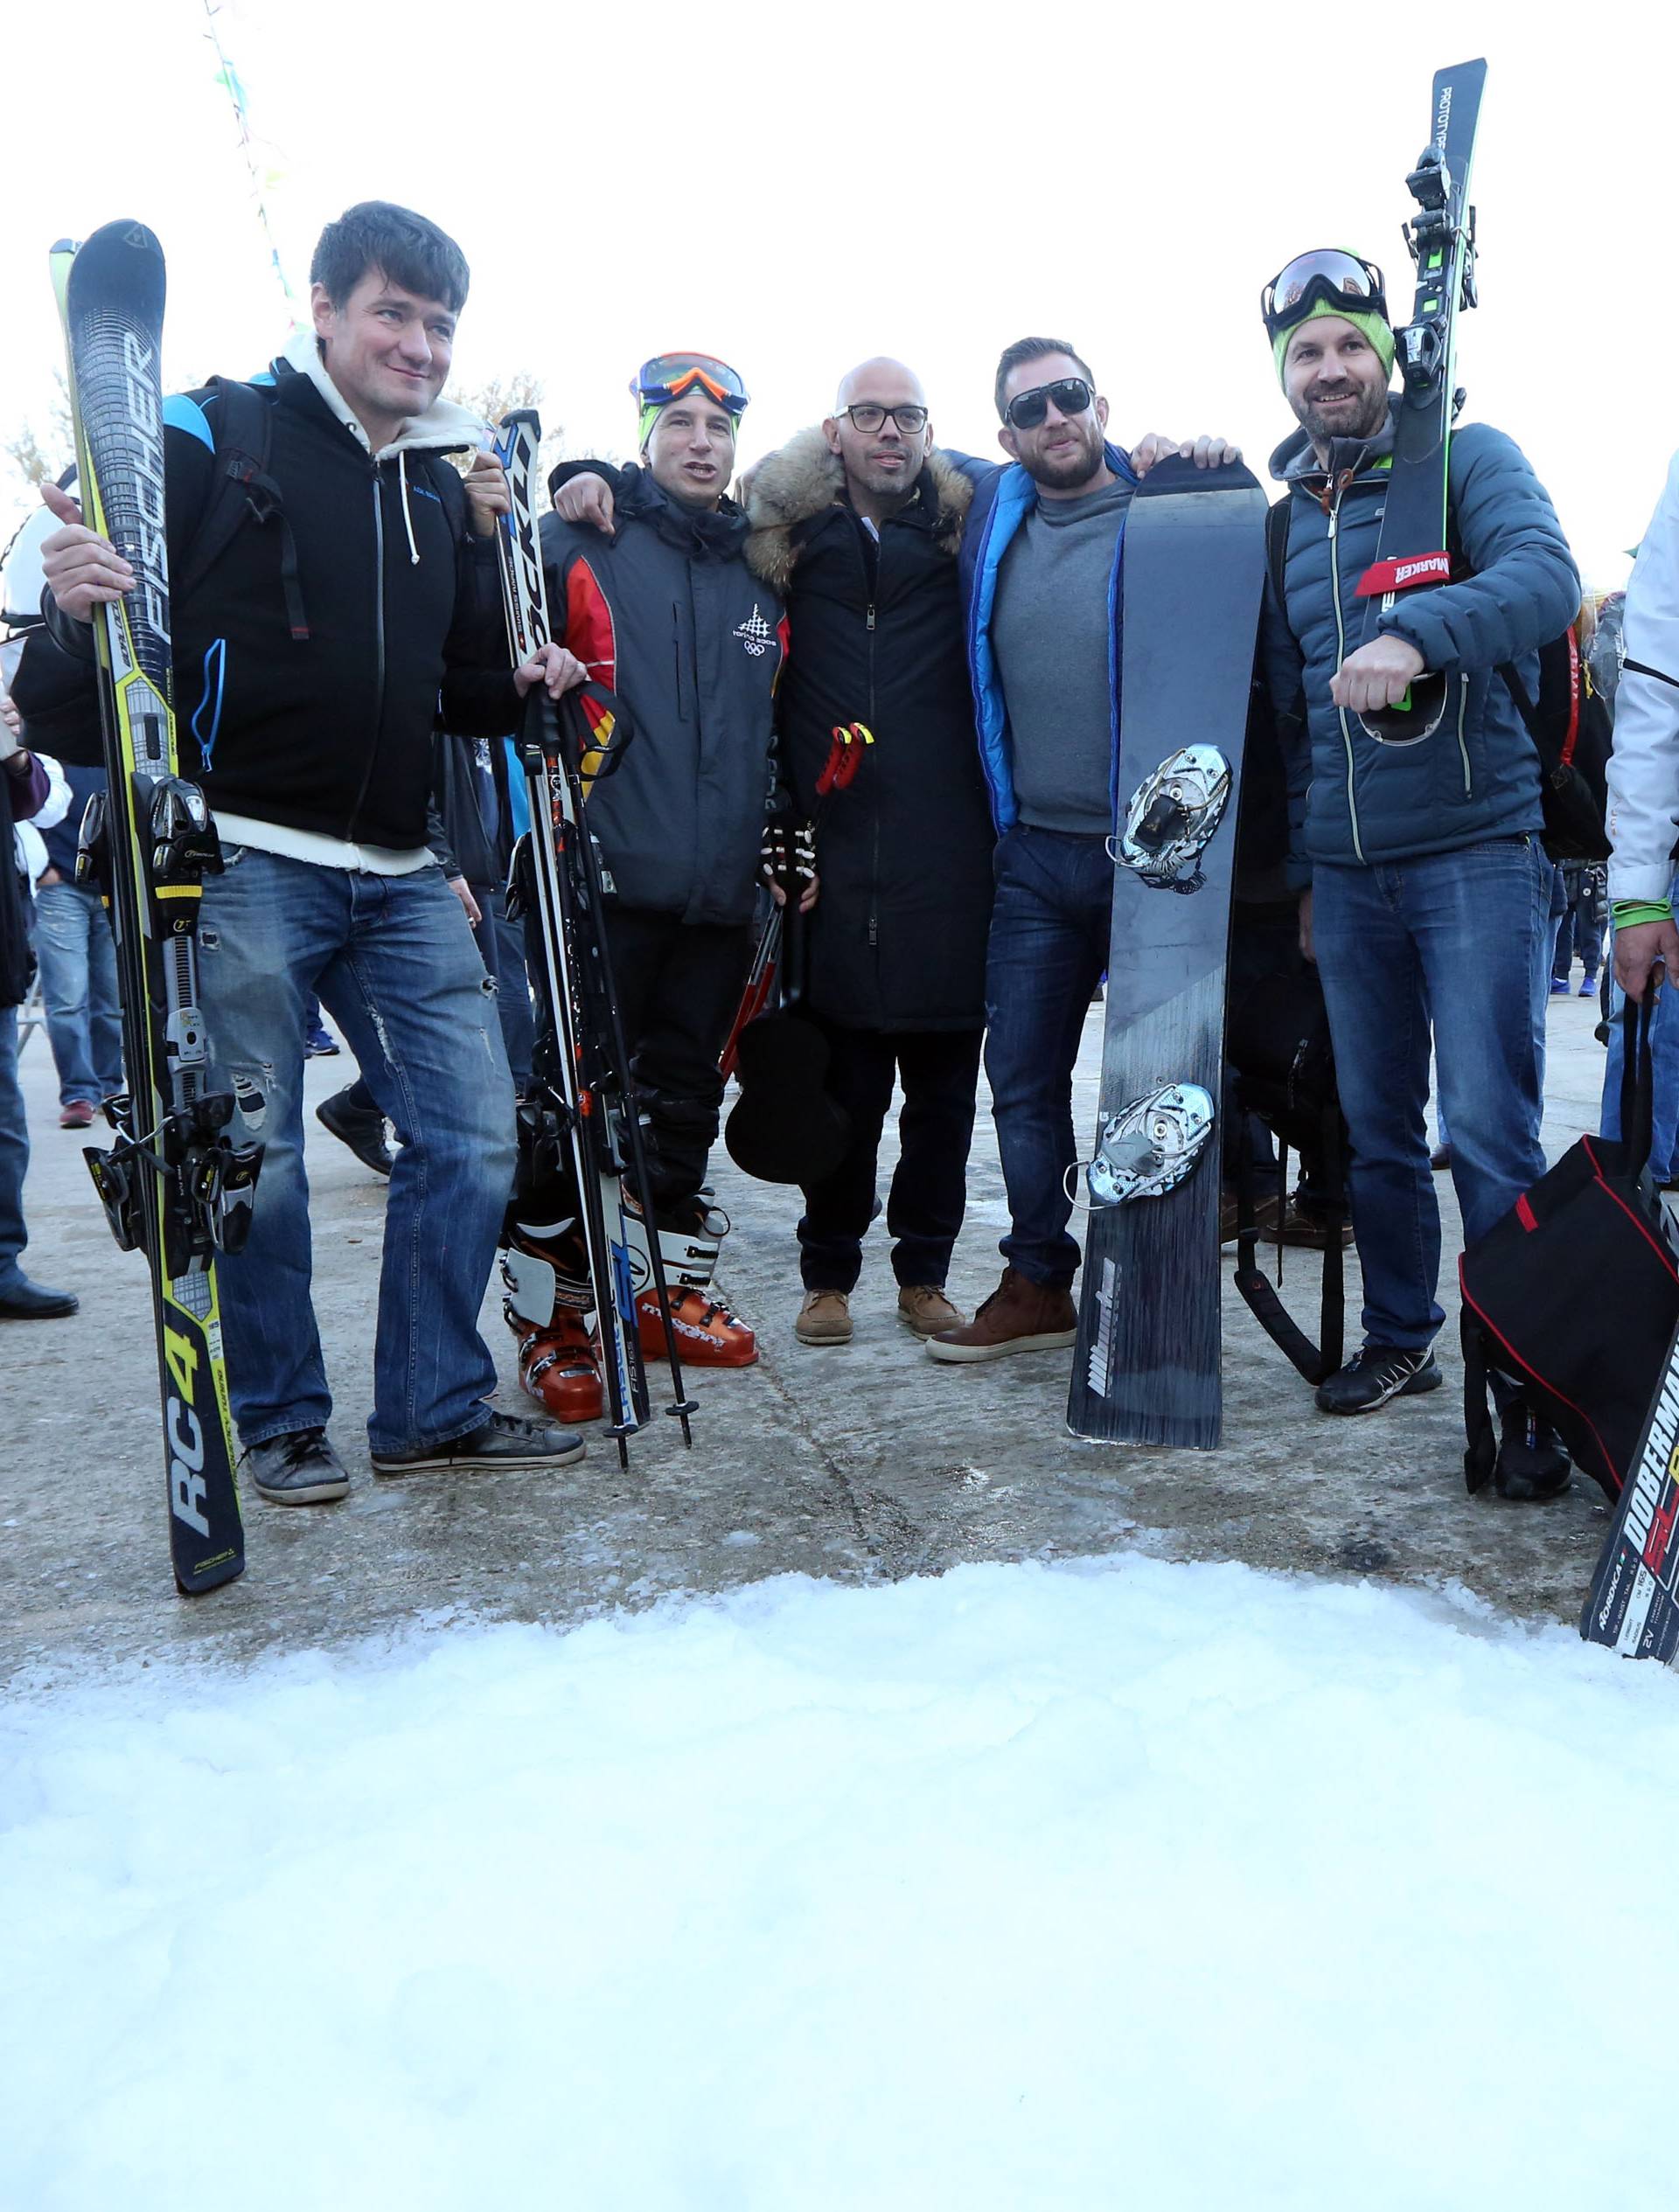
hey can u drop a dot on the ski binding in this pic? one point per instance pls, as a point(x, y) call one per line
point(1150, 1145)
point(1172, 818)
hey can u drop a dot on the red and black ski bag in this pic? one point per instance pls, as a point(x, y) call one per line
point(1574, 1296)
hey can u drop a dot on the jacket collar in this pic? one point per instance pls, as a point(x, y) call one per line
point(1296, 460)
point(443, 427)
point(709, 533)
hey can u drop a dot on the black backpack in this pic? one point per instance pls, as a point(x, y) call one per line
point(1574, 1295)
point(1569, 725)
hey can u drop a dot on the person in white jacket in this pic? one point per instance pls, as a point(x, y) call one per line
point(1644, 767)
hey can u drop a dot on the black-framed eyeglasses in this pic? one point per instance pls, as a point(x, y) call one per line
point(1027, 409)
point(868, 415)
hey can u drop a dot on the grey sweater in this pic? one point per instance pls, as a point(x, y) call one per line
point(1052, 635)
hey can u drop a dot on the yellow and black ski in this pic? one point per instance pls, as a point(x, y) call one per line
point(173, 1183)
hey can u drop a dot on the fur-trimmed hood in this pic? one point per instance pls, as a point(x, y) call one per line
point(804, 477)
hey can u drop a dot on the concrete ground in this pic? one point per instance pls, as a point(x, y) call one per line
point(854, 1462)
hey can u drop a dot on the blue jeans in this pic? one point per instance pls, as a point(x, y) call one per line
point(1047, 950)
point(1467, 934)
point(84, 1016)
point(393, 962)
point(14, 1147)
point(1664, 1066)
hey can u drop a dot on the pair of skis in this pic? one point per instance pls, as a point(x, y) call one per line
point(580, 1124)
point(173, 1185)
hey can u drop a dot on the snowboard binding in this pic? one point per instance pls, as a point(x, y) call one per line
point(1150, 1145)
point(1172, 818)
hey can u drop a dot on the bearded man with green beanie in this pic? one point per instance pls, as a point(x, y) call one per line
point(663, 611)
point(1425, 888)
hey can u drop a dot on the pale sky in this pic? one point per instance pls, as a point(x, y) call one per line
point(795, 188)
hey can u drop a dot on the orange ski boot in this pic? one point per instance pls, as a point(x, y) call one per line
point(561, 1368)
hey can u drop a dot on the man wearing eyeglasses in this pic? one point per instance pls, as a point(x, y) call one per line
point(663, 611)
point(857, 524)
point(1428, 888)
point(1040, 562)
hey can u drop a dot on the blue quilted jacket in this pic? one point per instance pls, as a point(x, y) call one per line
point(1352, 800)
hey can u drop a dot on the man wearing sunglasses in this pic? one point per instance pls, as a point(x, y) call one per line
point(1428, 887)
point(663, 611)
point(857, 524)
point(1040, 563)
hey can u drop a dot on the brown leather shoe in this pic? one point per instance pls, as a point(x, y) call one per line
point(924, 1308)
point(1018, 1316)
point(824, 1318)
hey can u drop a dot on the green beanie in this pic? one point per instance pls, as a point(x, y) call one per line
point(1379, 332)
point(649, 416)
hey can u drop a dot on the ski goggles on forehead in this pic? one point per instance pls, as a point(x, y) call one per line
point(1027, 409)
point(1326, 275)
point(671, 375)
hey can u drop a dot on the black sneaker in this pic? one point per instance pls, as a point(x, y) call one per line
point(362, 1128)
point(505, 1440)
point(1374, 1374)
point(1531, 1461)
point(301, 1468)
point(22, 1300)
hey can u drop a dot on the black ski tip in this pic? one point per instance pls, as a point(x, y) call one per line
point(119, 268)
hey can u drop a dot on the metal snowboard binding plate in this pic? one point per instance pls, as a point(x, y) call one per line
point(1149, 1147)
point(1172, 818)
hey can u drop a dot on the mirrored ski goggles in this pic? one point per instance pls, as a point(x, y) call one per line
point(668, 376)
point(1027, 409)
point(1326, 275)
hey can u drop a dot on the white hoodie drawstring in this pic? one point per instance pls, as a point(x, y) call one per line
point(402, 478)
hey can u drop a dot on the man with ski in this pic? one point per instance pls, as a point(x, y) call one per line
point(857, 524)
point(1429, 887)
point(318, 615)
point(1039, 560)
point(653, 594)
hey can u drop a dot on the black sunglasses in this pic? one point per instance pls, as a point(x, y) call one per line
point(1027, 409)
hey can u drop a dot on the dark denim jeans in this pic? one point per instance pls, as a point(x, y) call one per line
point(84, 1016)
point(1047, 950)
point(393, 960)
point(14, 1149)
point(1465, 935)
point(1664, 1066)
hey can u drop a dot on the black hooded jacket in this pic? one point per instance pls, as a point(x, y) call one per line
point(897, 941)
point(330, 733)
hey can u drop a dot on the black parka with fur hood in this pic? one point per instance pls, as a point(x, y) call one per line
point(897, 940)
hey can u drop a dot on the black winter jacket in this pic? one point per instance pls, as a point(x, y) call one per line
point(897, 939)
point(331, 732)
point(667, 614)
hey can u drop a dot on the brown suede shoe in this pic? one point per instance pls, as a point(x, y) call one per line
point(1018, 1316)
point(924, 1308)
point(824, 1318)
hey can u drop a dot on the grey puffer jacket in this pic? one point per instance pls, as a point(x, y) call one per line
point(1353, 800)
point(667, 613)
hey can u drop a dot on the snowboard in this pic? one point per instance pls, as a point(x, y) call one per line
point(1634, 1601)
point(1410, 552)
point(172, 1185)
point(1145, 1366)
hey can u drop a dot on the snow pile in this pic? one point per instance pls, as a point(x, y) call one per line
point(1113, 1885)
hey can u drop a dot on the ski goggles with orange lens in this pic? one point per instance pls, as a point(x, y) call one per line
point(1328, 276)
point(669, 376)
